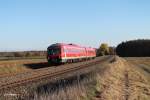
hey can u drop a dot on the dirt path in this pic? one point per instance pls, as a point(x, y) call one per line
point(123, 81)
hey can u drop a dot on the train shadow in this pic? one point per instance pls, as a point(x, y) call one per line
point(39, 65)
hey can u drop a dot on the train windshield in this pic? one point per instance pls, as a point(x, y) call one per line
point(53, 51)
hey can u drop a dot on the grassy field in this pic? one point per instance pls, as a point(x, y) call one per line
point(13, 66)
point(20, 58)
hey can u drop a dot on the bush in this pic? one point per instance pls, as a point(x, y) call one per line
point(103, 50)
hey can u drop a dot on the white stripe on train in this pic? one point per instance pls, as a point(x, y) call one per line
point(77, 57)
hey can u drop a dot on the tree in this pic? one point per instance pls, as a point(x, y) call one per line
point(103, 50)
point(134, 48)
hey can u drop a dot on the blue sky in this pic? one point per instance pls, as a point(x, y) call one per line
point(35, 24)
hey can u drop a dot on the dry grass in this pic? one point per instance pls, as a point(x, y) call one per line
point(122, 80)
point(69, 93)
point(78, 89)
point(111, 82)
point(14, 66)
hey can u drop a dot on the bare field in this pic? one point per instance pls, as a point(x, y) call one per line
point(143, 64)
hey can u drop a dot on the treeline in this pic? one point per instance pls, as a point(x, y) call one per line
point(23, 54)
point(134, 48)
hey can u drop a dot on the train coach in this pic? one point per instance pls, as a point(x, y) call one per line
point(62, 53)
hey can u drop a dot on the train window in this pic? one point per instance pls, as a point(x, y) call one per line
point(65, 50)
point(71, 50)
point(54, 51)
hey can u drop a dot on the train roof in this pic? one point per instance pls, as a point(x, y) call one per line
point(63, 44)
point(70, 44)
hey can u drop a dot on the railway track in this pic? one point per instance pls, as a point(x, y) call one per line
point(21, 79)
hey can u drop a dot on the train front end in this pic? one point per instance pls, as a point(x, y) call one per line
point(54, 54)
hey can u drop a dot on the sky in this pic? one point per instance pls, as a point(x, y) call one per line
point(36, 24)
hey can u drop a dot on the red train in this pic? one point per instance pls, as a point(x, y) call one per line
point(62, 53)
